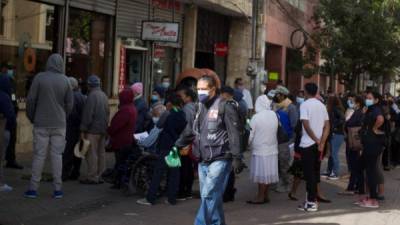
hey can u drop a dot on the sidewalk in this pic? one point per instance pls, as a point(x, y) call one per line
point(87, 205)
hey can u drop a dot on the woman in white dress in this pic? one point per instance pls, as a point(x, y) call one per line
point(264, 145)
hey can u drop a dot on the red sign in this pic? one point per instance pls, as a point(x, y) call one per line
point(167, 4)
point(221, 49)
point(159, 52)
point(122, 72)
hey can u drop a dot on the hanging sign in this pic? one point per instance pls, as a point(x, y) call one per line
point(160, 31)
point(122, 72)
point(221, 49)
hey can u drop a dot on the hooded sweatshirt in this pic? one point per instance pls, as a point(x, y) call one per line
point(264, 127)
point(95, 115)
point(50, 99)
point(123, 123)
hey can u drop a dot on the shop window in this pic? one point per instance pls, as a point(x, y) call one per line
point(49, 25)
point(24, 26)
point(87, 44)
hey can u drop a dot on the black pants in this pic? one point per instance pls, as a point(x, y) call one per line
point(311, 168)
point(186, 176)
point(71, 164)
point(387, 155)
point(10, 152)
point(230, 189)
point(373, 147)
point(356, 180)
point(395, 152)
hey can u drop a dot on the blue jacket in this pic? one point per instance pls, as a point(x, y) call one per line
point(7, 109)
point(142, 115)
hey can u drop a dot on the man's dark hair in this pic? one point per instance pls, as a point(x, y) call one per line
point(165, 77)
point(187, 91)
point(175, 99)
point(228, 90)
point(237, 80)
point(311, 89)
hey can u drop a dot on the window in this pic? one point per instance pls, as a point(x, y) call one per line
point(2, 17)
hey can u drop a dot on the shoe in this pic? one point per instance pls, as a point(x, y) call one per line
point(14, 165)
point(30, 194)
point(308, 207)
point(380, 198)
point(360, 200)
point(291, 197)
point(169, 203)
point(369, 203)
point(5, 188)
point(143, 201)
point(58, 194)
point(181, 197)
point(325, 175)
point(333, 177)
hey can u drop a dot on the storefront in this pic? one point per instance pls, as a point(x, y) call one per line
point(212, 31)
point(80, 30)
point(147, 59)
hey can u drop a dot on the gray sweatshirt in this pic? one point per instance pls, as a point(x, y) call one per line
point(96, 113)
point(50, 99)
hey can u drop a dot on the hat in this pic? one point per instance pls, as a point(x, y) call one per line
point(93, 81)
point(160, 91)
point(81, 148)
point(73, 82)
point(137, 88)
point(271, 93)
point(282, 90)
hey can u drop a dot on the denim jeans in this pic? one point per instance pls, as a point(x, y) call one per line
point(213, 178)
point(334, 163)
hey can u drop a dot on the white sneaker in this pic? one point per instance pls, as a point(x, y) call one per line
point(143, 201)
point(5, 188)
point(308, 207)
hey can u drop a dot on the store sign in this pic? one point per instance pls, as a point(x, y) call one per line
point(273, 76)
point(221, 49)
point(160, 31)
point(167, 4)
point(159, 52)
point(122, 72)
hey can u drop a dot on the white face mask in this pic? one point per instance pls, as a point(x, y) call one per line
point(165, 84)
point(155, 120)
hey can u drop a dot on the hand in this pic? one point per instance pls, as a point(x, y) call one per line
point(321, 147)
point(237, 165)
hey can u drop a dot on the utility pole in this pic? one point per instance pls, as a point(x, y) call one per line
point(257, 61)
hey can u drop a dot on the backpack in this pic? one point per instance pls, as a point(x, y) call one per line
point(285, 122)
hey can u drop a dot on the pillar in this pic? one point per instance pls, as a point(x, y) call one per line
point(189, 37)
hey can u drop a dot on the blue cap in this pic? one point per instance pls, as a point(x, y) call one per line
point(93, 81)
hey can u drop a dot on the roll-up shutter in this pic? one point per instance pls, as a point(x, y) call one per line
point(54, 2)
point(130, 15)
point(100, 6)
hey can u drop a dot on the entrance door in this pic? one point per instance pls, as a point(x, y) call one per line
point(134, 64)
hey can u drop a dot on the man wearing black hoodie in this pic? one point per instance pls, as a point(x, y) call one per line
point(50, 101)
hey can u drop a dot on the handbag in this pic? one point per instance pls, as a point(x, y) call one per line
point(172, 159)
point(354, 139)
point(282, 136)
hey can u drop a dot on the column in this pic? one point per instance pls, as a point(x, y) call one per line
point(189, 37)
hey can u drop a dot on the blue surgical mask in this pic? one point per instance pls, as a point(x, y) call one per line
point(350, 104)
point(10, 73)
point(154, 98)
point(369, 102)
point(299, 100)
point(203, 95)
point(165, 85)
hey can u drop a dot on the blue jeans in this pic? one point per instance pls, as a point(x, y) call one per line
point(334, 163)
point(213, 178)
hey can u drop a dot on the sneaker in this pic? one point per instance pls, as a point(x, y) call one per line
point(5, 188)
point(333, 177)
point(181, 198)
point(58, 194)
point(360, 200)
point(143, 201)
point(369, 203)
point(308, 207)
point(30, 194)
point(325, 175)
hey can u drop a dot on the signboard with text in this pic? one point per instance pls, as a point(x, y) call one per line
point(160, 31)
point(122, 64)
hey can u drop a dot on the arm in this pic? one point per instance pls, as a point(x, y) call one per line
point(187, 134)
point(378, 123)
point(325, 135)
point(31, 100)
point(231, 120)
point(87, 114)
point(253, 130)
point(293, 115)
point(69, 100)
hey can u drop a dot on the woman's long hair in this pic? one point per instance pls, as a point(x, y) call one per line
point(334, 102)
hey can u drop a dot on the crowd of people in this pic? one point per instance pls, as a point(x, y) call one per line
point(288, 135)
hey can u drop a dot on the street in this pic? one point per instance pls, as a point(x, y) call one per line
point(100, 205)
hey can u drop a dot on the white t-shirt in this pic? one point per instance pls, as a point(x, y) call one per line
point(247, 98)
point(315, 112)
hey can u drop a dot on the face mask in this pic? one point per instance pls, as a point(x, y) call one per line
point(155, 120)
point(241, 87)
point(350, 104)
point(263, 88)
point(165, 84)
point(369, 102)
point(299, 100)
point(154, 98)
point(203, 95)
point(10, 73)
